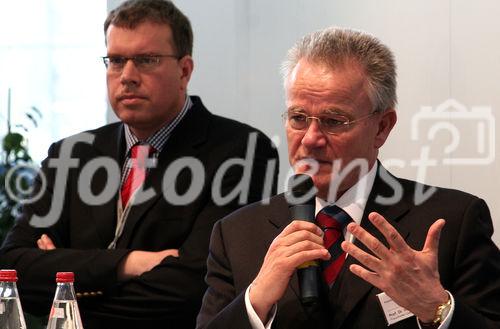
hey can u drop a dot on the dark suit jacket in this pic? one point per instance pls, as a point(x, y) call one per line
point(171, 293)
point(469, 263)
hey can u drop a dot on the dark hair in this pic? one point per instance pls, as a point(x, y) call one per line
point(131, 13)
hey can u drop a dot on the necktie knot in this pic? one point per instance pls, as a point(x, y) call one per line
point(139, 157)
point(139, 153)
point(333, 217)
point(141, 149)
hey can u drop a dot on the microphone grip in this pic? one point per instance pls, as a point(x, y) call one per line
point(308, 272)
point(308, 282)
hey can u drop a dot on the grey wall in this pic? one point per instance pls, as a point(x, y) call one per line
point(444, 50)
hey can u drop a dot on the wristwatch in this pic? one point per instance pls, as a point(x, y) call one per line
point(441, 312)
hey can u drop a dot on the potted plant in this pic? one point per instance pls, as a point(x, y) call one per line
point(15, 177)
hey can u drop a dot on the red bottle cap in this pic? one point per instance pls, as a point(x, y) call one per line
point(8, 275)
point(62, 277)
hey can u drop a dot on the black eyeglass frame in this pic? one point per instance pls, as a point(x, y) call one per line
point(136, 59)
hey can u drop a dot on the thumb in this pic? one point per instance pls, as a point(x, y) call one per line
point(432, 239)
point(170, 252)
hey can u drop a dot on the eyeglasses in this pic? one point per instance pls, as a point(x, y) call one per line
point(141, 62)
point(330, 123)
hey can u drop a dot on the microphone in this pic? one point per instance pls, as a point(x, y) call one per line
point(302, 204)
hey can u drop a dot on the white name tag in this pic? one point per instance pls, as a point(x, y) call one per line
point(392, 311)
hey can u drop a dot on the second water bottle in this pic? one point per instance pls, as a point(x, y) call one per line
point(64, 313)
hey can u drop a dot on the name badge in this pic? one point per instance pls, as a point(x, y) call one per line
point(392, 311)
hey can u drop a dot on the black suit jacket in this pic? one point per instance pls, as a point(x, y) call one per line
point(170, 293)
point(469, 263)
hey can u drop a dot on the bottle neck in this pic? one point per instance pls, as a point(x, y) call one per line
point(8, 289)
point(65, 291)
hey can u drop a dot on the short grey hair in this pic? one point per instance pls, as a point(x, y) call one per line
point(335, 47)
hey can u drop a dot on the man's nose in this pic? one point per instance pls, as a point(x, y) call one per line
point(314, 137)
point(130, 74)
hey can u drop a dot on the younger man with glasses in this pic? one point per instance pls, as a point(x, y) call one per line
point(341, 95)
point(139, 253)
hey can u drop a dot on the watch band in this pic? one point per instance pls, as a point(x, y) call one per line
point(441, 312)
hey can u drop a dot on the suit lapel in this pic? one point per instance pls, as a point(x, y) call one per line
point(110, 145)
point(184, 142)
point(349, 289)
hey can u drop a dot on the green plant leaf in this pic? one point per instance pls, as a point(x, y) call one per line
point(13, 142)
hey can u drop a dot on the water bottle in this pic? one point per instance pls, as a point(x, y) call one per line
point(11, 312)
point(64, 313)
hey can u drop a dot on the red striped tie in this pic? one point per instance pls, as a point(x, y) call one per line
point(333, 220)
point(139, 155)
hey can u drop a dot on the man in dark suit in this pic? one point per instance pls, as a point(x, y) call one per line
point(389, 254)
point(136, 230)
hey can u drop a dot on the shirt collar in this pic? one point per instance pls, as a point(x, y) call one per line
point(354, 200)
point(158, 139)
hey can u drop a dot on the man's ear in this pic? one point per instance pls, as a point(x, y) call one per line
point(386, 122)
point(186, 65)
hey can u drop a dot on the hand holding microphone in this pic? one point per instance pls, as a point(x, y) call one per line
point(299, 242)
point(302, 204)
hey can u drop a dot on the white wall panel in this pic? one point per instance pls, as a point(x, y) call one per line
point(444, 50)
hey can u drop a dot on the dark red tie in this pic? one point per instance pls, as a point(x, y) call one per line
point(333, 220)
point(139, 155)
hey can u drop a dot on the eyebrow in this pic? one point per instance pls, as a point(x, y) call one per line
point(134, 55)
point(330, 111)
point(336, 112)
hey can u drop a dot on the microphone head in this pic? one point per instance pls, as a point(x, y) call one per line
point(301, 190)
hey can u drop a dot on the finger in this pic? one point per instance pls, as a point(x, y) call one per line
point(307, 255)
point(302, 235)
point(298, 225)
point(373, 263)
point(432, 240)
point(392, 236)
point(172, 252)
point(40, 244)
point(49, 245)
point(368, 240)
point(303, 246)
point(369, 276)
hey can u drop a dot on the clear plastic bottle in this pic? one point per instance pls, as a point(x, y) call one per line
point(64, 313)
point(11, 312)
